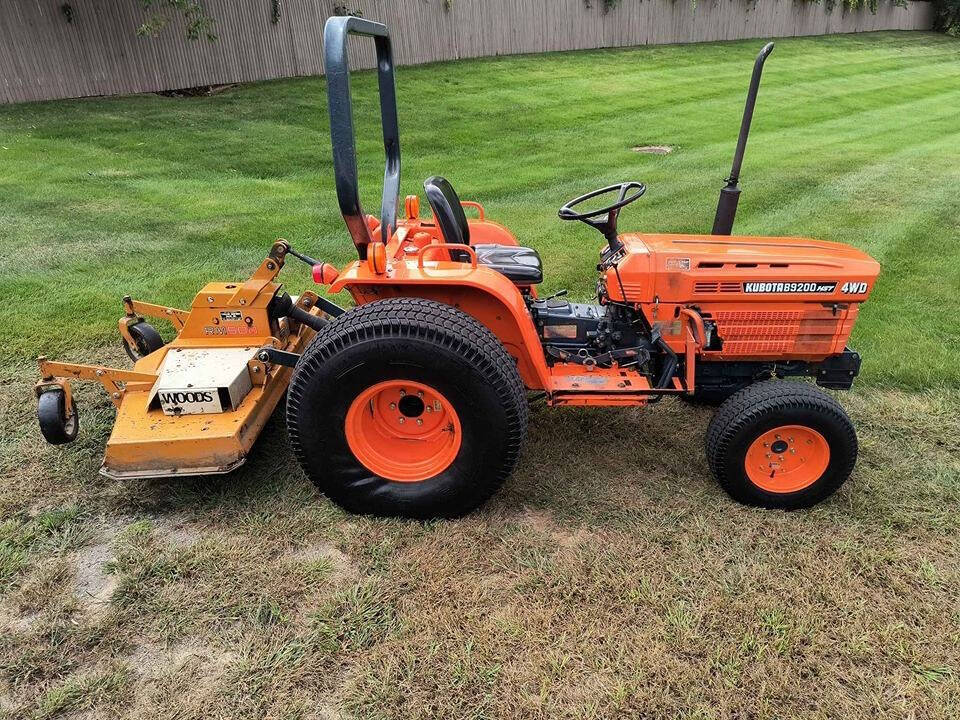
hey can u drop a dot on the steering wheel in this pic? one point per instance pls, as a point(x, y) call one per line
point(608, 225)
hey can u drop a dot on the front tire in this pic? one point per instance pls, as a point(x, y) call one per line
point(407, 408)
point(781, 444)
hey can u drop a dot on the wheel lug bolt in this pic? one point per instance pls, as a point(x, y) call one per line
point(766, 444)
point(402, 393)
point(419, 421)
point(429, 409)
point(420, 394)
point(402, 421)
point(393, 406)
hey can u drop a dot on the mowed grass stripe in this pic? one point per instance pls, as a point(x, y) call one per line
point(154, 196)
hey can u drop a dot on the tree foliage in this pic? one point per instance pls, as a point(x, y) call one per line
point(199, 24)
point(946, 16)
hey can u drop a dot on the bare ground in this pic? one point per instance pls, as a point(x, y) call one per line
point(610, 578)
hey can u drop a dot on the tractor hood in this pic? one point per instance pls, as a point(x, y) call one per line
point(688, 268)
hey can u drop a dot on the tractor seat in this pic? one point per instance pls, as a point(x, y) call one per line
point(520, 264)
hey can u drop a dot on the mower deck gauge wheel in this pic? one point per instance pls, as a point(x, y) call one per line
point(146, 339)
point(56, 427)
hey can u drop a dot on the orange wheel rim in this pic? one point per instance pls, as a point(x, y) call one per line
point(403, 431)
point(787, 459)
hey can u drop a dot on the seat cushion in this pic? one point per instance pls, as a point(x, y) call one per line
point(521, 264)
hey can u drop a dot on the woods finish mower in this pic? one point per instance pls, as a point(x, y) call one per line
point(414, 403)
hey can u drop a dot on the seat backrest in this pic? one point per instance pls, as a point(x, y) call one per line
point(446, 206)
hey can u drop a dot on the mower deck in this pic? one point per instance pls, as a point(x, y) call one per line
point(195, 405)
point(145, 442)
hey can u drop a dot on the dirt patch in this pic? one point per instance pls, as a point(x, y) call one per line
point(178, 530)
point(94, 585)
point(16, 623)
point(544, 524)
point(653, 149)
point(540, 521)
point(151, 660)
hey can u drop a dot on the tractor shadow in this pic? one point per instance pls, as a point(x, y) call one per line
point(585, 465)
point(591, 465)
point(269, 477)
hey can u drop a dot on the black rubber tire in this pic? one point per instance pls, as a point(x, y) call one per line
point(422, 341)
point(147, 340)
point(56, 427)
point(764, 406)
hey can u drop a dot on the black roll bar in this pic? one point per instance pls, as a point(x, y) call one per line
point(730, 195)
point(337, 65)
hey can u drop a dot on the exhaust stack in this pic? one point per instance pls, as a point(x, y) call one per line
point(730, 195)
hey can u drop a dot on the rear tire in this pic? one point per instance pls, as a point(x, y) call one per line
point(781, 444)
point(345, 400)
point(56, 427)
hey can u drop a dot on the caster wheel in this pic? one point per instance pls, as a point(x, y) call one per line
point(56, 427)
point(146, 339)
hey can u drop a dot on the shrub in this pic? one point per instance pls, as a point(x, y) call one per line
point(946, 16)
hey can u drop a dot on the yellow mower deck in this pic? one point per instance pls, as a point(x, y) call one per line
point(146, 441)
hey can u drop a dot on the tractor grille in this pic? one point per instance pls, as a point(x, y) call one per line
point(715, 287)
point(765, 332)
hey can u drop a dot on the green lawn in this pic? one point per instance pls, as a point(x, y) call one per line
point(609, 579)
point(854, 140)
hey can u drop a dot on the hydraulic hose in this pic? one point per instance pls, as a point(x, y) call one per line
point(669, 365)
point(304, 318)
point(283, 306)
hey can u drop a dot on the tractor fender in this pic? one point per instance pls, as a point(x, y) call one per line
point(482, 293)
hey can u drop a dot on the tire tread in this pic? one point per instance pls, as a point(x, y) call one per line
point(426, 320)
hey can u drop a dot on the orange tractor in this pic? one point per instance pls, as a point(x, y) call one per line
point(415, 402)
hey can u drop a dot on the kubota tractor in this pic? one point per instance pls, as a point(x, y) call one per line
point(414, 403)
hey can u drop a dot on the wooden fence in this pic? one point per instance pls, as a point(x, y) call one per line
point(73, 48)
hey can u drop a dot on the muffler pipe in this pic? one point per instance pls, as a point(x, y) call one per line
point(730, 195)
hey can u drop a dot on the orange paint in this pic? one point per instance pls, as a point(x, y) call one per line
point(802, 304)
point(787, 459)
point(664, 274)
point(403, 431)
